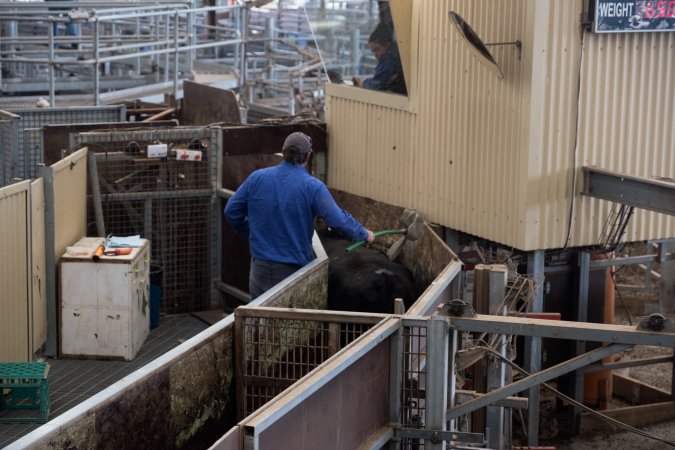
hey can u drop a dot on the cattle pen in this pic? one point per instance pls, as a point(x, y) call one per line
point(534, 140)
point(282, 372)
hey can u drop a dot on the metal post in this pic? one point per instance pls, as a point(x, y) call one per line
point(355, 50)
point(97, 74)
point(242, 57)
point(581, 316)
point(167, 34)
point(395, 383)
point(667, 299)
point(453, 338)
point(140, 45)
point(494, 417)
point(190, 30)
point(175, 57)
point(215, 159)
point(436, 379)
point(535, 267)
point(52, 82)
point(156, 56)
point(270, 25)
point(51, 347)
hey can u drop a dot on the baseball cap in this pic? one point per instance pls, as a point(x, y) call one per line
point(299, 142)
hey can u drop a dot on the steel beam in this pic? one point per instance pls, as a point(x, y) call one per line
point(562, 329)
point(629, 363)
point(646, 193)
point(535, 379)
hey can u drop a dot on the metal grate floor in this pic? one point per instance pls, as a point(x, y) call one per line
point(73, 381)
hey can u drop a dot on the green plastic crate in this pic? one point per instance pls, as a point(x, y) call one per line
point(24, 386)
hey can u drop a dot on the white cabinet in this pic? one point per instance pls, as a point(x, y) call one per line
point(105, 304)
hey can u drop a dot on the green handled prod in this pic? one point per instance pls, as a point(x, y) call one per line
point(377, 234)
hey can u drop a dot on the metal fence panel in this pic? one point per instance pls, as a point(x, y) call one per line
point(29, 122)
point(14, 276)
point(275, 352)
point(167, 200)
point(8, 139)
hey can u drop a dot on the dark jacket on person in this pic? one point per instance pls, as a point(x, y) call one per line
point(388, 74)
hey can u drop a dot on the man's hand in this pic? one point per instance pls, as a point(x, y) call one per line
point(371, 237)
point(357, 81)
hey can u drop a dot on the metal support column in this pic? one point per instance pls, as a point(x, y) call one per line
point(667, 277)
point(436, 379)
point(52, 74)
point(535, 267)
point(244, 18)
point(496, 369)
point(395, 384)
point(176, 54)
point(97, 67)
point(51, 347)
point(581, 316)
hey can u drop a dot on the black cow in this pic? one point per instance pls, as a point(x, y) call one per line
point(364, 279)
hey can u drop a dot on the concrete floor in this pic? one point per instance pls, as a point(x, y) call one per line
point(73, 381)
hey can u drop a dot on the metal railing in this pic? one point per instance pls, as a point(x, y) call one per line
point(92, 53)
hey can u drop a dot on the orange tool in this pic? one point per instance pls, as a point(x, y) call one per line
point(119, 252)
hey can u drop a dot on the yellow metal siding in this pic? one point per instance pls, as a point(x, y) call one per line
point(470, 145)
point(627, 117)
point(375, 145)
point(502, 158)
point(14, 296)
point(70, 200)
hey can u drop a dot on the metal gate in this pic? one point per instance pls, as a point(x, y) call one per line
point(170, 200)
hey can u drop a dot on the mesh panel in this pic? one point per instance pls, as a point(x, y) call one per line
point(32, 152)
point(29, 148)
point(277, 352)
point(7, 143)
point(412, 396)
point(166, 200)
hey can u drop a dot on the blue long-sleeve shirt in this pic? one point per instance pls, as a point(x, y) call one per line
point(275, 207)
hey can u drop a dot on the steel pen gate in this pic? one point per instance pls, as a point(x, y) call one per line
point(170, 200)
point(395, 383)
point(280, 346)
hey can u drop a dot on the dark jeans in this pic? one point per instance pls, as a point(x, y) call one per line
point(265, 274)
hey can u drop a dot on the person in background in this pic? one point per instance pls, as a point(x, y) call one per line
point(275, 208)
point(388, 74)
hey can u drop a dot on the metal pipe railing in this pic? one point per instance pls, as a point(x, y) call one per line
point(143, 44)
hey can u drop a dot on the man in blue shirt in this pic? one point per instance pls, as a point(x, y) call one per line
point(275, 208)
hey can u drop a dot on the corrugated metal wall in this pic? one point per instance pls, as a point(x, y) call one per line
point(374, 135)
point(14, 284)
point(70, 201)
point(472, 134)
point(23, 262)
point(627, 117)
point(500, 158)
